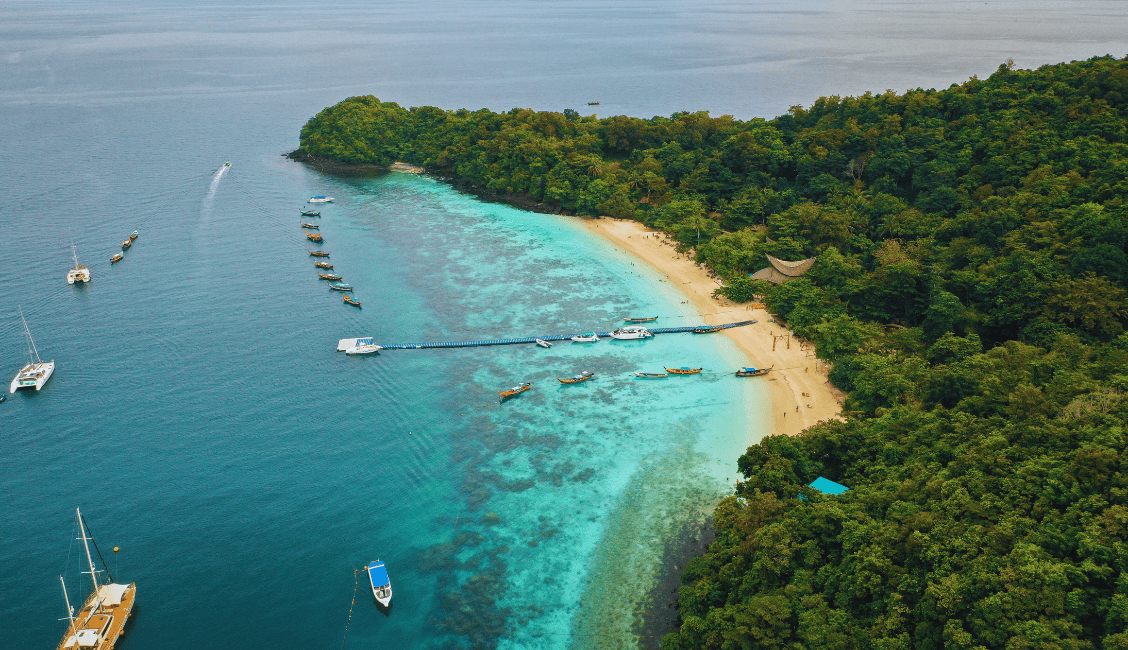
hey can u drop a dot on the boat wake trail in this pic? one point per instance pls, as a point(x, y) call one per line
point(209, 198)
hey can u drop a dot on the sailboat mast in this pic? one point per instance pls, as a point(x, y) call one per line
point(74, 251)
point(89, 560)
point(31, 342)
point(70, 610)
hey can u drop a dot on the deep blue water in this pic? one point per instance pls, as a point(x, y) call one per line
point(199, 413)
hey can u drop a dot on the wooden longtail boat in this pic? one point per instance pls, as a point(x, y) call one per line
point(310, 213)
point(652, 375)
point(708, 329)
point(516, 390)
point(583, 376)
point(753, 372)
point(683, 371)
point(133, 237)
point(309, 225)
point(314, 236)
point(341, 287)
point(126, 244)
point(116, 258)
point(630, 319)
point(328, 276)
point(319, 253)
point(323, 265)
point(349, 299)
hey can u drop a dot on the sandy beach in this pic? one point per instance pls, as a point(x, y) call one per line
point(801, 395)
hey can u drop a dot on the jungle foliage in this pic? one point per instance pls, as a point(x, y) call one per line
point(970, 292)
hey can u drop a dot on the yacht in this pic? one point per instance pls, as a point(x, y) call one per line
point(321, 199)
point(631, 332)
point(36, 372)
point(102, 617)
point(79, 273)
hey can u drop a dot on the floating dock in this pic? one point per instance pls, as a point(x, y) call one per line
point(345, 344)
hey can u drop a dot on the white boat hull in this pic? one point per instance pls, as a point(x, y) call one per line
point(327, 199)
point(631, 333)
point(33, 375)
point(345, 344)
point(364, 349)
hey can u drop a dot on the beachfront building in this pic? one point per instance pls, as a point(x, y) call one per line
point(781, 271)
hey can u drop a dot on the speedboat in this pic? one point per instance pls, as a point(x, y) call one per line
point(381, 583)
point(631, 332)
point(590, 337)
point(543, 343)
point(364, 349)
point(78, 273)
point(321, 199)
point(36, 372)
point(227, 164)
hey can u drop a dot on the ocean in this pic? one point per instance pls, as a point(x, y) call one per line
point(200, 414)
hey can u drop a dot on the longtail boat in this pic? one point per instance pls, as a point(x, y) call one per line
point(341, 287)
point(310, 213)
point(116, 258)
point(323, 265)
point(683, 371)
point(126, 244)
point(631, 319)
point(707, 329)
point(309, 225)
point(319, 253)
point(133, 237)
point(753, 372)
point(583, 376)
point(354, 303)
point(652, 375)
point(516, 390)
point(328, 276)
point(314, 236)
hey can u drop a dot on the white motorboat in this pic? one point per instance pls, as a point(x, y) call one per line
point(543, 343)
point(381, 583)
point(590, 337)
point(78, 273)
point(631, 332)
point(321, 199)
point(36, 372)
point(364, 349)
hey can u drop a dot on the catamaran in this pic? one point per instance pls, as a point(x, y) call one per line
point(381, 583)
point(101, 620)
point(36, 372)
point(79, 273)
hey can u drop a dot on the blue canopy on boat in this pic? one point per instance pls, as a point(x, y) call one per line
point(378, 574)
point(748, 369)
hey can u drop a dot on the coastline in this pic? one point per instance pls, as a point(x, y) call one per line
point(801, 394)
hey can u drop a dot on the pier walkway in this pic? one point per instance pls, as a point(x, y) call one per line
point(345, 344)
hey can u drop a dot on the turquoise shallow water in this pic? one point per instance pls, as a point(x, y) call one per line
point(200, 414)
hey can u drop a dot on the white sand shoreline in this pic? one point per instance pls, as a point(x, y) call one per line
point(800, 392)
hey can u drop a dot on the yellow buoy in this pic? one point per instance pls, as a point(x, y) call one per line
point(116, 549)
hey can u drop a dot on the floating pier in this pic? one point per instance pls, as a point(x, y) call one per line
point(345, 344)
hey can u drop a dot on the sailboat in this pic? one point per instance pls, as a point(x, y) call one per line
point(36, 372)
point(79, 273)
point(101, 620)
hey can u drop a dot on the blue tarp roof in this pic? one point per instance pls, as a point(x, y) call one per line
point(378, 574)
point(827, 486)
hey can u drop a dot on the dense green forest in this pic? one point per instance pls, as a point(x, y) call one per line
point(970, 294)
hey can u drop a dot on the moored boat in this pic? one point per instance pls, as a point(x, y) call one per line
point(516, 390)
point(753, 372)
point(707, 329)
point(349, 299)
point(116, 258)
point(321, 199)
point(328, 276)
point(133, 237)
point(323, 265)
point(364, 349)
point(310, 213)
point(126, 244)
point(575, 379)
point(590, 337)
point(633, 319)
point(652, 375)
point(340, 287)
point(543, 343)
point(319, 253)
point(381, 583)
point(103, 615)
point(314, 237)
point(683, 371)
point(631, 332)
point(309, 225)
point(78, 272)
point(36, 372)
